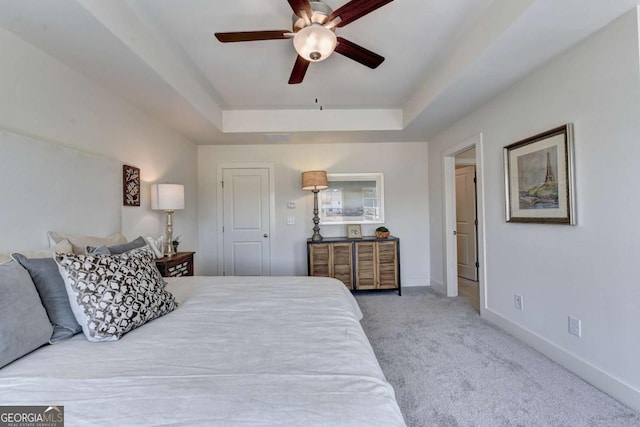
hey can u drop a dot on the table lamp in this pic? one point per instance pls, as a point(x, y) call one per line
point(169, 198)
point(315, 181)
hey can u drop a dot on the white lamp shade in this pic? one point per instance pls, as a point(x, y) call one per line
point(167, 197)
point(315, 43)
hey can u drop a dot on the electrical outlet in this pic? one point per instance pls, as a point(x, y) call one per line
point(518, 302)
point(575, 327)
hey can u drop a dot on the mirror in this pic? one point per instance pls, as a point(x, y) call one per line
point(352, 198)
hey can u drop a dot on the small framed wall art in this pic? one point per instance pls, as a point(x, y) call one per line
point(354, 231)
point(130, 185)
point(539, 179)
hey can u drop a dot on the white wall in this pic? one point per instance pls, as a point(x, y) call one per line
point(589, 270)
point(406, 208)
point(45, 100)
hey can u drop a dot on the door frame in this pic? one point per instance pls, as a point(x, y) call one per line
point(449, 214)
point(220, 208)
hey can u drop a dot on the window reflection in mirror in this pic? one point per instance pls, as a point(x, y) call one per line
point(356, 198)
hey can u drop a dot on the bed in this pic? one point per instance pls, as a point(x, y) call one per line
point(236, 352)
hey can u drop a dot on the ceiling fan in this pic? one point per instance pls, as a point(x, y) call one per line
point(314, 38)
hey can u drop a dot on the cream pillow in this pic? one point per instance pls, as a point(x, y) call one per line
point(61, 247)
point(80, 242)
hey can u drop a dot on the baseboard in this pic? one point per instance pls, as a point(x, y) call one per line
point(614, 387)
point(439, 287)
point(414, 282)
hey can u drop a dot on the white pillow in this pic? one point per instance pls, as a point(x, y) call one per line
point(63, 247)
point(80, 242)
point(156, 245)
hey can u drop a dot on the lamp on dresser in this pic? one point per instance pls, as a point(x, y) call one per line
point(315, 181)
point(169, 198)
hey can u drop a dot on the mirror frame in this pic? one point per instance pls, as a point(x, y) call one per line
point(335, 179)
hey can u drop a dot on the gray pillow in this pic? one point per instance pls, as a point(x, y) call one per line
point(100, 250)
point(24, 325)
point(117, 249)
point(46, 276)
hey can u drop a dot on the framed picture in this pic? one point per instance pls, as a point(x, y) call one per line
point(539, 179)
point(130, 186)
point(354, 231)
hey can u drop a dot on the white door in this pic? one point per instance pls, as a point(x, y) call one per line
point(466, 222)
point(246, 222)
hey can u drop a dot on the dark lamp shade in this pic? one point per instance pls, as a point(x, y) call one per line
point(314, 180)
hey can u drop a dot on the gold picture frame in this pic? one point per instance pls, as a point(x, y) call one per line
point(354, 231)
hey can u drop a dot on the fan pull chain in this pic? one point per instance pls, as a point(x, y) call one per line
point(320, 105)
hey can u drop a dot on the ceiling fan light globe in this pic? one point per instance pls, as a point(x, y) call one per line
point(315, 43)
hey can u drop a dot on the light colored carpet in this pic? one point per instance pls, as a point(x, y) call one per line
point(449, 367)
point(469, 292)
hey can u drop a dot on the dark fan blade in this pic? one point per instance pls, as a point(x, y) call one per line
point(249, 36)
point(358, 53)
point(299, 70)
point(298, 5)
point(356, 9)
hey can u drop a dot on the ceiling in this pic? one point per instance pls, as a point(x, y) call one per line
point(443, 60)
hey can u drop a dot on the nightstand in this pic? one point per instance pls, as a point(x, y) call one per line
point(180, 264)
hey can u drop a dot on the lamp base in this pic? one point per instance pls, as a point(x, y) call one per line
point(168, 236)
point(316, 219)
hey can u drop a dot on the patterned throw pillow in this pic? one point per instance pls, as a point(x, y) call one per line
point(112, 294)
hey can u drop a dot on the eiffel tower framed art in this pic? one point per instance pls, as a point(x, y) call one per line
point(539, 178)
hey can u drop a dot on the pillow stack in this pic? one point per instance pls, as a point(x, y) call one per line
point(117, 249)
point(80, 242)
point(48, 296)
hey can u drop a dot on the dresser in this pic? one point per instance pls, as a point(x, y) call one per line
point(367, 264)
point(180, 264)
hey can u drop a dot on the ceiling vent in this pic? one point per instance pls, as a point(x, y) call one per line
point(276, 138)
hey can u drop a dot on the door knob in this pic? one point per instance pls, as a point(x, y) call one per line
point(455, 233)
point(265, 235)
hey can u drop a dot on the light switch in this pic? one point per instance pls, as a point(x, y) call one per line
point(291, 205)
point(291, 220)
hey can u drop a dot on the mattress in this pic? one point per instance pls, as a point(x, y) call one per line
point(238, 351)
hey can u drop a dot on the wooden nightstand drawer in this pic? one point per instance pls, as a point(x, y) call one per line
point(180, 264)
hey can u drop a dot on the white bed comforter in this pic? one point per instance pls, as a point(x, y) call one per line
point(237, 352)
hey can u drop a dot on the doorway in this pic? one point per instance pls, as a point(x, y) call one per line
point(463, 222)
point(466, 221)
point(466, 228)
point(246, 210)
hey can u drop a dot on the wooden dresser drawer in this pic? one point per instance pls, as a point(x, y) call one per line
point(180, 264)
